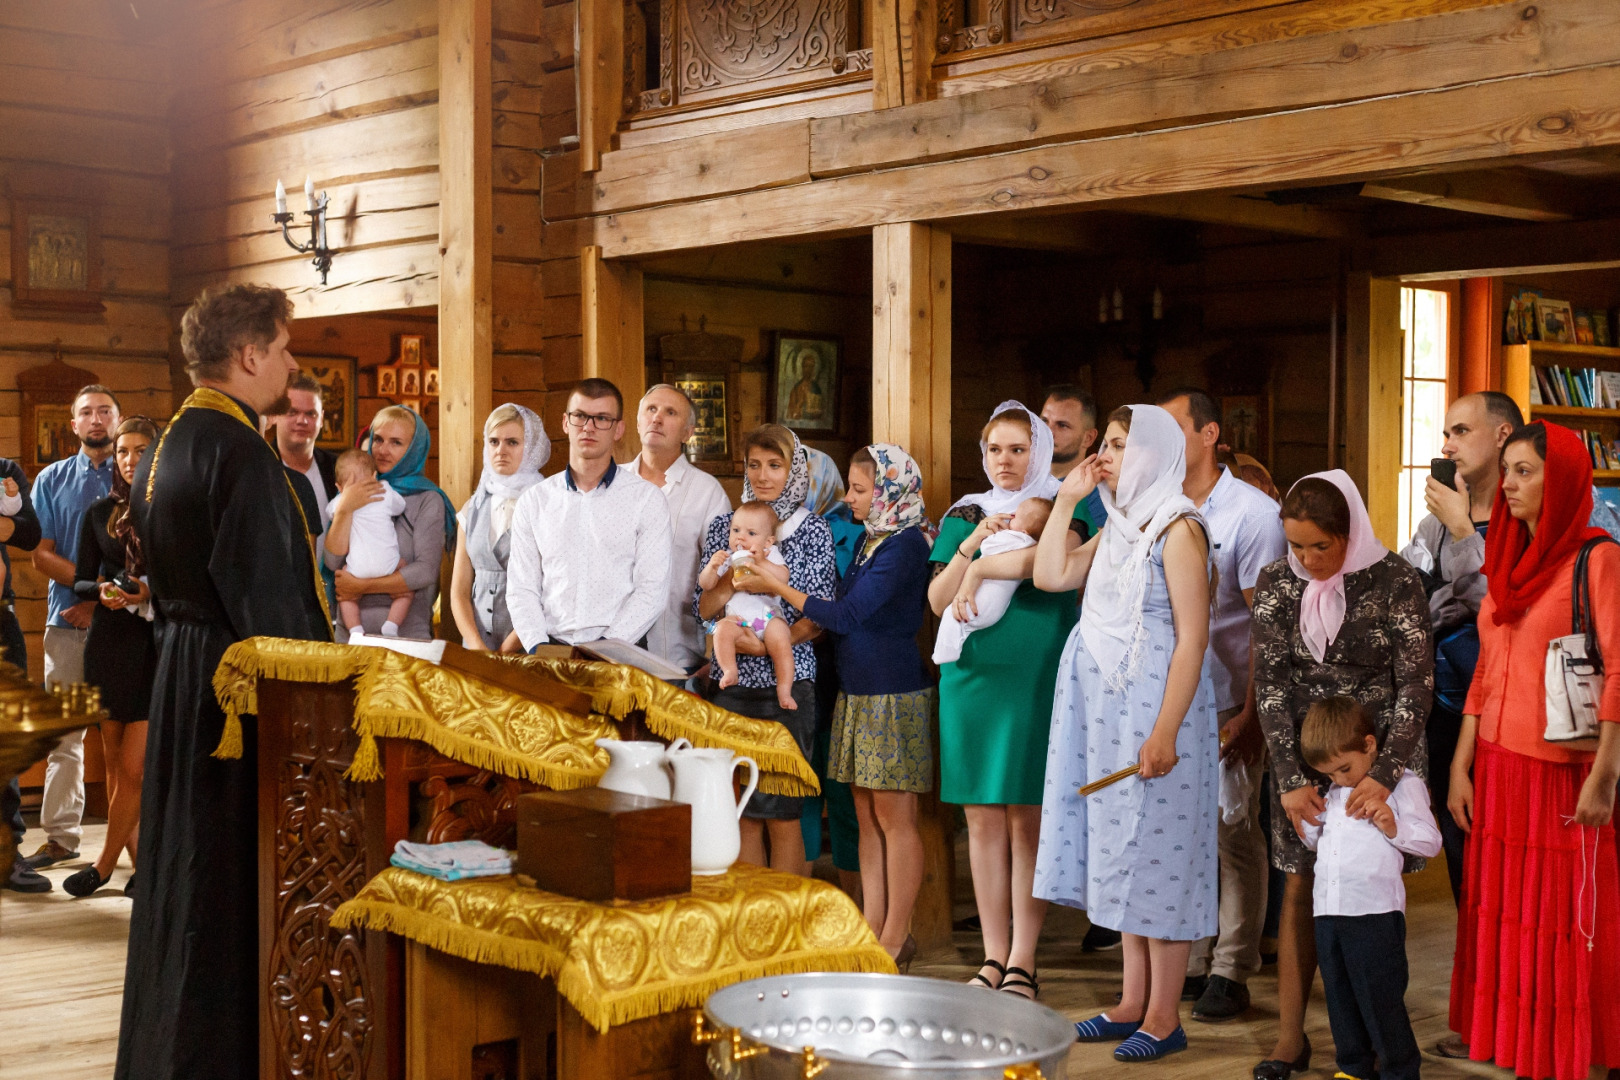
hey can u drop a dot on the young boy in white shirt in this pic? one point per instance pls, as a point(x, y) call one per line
point(1360, 900)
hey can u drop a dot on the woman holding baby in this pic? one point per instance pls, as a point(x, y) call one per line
point(880, 732)
point(995, 699)
point(399, 445)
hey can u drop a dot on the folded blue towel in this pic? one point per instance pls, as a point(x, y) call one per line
point(453, 861)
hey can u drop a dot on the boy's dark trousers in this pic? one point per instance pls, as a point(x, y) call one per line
point(1363, 962)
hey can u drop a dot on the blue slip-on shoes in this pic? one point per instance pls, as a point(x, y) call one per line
point(1143, 1047)
point(1101, 1029)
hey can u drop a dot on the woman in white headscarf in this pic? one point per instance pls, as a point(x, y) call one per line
point(515, 447)
point(996, 698)
point(1341, 615)
point(1138, 855)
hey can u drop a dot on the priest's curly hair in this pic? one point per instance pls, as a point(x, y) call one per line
point(220, 321)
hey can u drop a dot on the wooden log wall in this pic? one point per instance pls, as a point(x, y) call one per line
point(84, 89)
point(536, 309)
point(346, 93)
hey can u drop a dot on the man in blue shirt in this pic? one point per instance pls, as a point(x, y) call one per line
point(21, 531)
point(63, 491)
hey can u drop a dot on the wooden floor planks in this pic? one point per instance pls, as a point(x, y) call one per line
point(62, 963)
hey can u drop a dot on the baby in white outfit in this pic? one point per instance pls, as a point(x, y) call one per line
point(752, 620)
point(373, 543)
point(992, 596)
point(10, 506)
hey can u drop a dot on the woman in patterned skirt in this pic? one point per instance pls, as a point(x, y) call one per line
point(1342, 615)
point(880, 737)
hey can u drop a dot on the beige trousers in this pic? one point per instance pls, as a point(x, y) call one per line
point(61, 813)
point(1235, 953)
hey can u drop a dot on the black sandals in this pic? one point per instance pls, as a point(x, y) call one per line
point(1017, 980)
point(980, 980)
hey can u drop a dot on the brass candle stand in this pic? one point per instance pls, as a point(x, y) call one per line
point(32, 720)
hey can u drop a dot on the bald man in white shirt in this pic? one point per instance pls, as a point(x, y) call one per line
point(665, 420)
point(590, 545)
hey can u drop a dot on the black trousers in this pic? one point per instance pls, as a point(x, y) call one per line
point(1363, 963)
point(1441, 733)
point(14, 650)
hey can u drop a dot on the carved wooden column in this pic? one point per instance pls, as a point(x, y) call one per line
point(911, 350)
point(614, 337)
point(599, 71)
point(1372, 397)
point(904, 34)
point(466, 241)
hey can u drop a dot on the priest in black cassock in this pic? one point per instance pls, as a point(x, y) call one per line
point(228, 557)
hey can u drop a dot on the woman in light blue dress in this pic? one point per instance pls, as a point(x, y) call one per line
point(1140, 854)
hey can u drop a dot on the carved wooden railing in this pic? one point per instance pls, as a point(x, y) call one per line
point(685, 53)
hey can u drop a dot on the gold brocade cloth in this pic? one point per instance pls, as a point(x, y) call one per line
point(620, 962)
point(487, 726)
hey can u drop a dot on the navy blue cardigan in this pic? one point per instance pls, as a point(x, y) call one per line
point(876, 616)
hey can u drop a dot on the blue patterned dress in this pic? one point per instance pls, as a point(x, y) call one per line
point(1138, 856)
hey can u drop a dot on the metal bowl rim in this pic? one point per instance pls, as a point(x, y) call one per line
point(1036, 1054)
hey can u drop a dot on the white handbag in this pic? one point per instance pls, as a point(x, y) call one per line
point(1574, 670)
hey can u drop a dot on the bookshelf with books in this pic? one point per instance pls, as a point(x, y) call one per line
point(1577, 386)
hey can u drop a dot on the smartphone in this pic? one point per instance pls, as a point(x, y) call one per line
point(1444, 470)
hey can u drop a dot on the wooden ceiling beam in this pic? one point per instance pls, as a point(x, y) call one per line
point(1482, 123)
point(1251, 212)
point(1492, 251)
point(1494, 193)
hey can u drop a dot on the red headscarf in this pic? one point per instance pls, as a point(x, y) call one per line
point(1519, 567)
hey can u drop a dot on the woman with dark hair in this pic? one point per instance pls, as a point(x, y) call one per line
point(880, 744)
point(1341, 615)
point(119, 657)
point(777, 471)
point(1535, 985)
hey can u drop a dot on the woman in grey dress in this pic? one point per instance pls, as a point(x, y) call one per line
point(1139, 855)
point(399, 444)
point(1342, 615)
point(515, 448)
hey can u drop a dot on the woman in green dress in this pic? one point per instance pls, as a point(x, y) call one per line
point(995, 701)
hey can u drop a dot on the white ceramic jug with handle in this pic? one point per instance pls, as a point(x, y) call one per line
point(635, 768)
point(703, 780)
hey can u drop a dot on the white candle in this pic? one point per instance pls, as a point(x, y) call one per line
point(281, 197)
point(309, 193)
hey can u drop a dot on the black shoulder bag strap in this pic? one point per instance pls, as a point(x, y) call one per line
point(1582, 620)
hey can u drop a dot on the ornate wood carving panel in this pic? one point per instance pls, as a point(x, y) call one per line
point(480, 807)
point(1028, 13)
point(322, 994)
point(726, 44)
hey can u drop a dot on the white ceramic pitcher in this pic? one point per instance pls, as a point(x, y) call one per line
point(638, 767)
point(703, 780)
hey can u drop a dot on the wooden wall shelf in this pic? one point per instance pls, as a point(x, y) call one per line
point(1553, 349)
point(1574, 412)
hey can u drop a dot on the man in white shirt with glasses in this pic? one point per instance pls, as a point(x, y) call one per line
point(590, 545)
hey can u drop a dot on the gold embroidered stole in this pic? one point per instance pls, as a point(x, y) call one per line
point(207, 398)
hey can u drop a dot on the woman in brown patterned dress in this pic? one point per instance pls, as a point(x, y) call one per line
point(1340, 615)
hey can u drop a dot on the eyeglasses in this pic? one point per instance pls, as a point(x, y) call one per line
point(598, 421)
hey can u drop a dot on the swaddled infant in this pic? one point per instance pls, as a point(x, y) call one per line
point(992, 595)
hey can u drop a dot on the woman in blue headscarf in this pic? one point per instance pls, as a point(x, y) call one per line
point(399, 445)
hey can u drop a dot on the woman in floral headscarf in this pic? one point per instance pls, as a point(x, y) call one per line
point(880, 736)
point(777, 471)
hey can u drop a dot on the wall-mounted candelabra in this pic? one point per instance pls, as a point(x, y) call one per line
point(316, 211)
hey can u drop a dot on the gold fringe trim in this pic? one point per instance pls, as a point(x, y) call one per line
point(601, 1011)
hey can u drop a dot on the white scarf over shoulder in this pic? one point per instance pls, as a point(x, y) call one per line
point(1143, 505)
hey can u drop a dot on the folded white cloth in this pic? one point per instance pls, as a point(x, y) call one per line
point(1236, 787)
point(991, 599)
point(452, 861)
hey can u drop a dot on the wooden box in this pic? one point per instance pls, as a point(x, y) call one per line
point(594, 844)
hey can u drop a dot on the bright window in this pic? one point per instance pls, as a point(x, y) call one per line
point(1424, 388)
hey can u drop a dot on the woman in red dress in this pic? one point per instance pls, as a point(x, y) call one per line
point(1535, 985)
